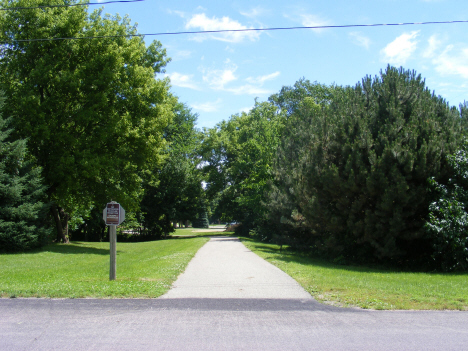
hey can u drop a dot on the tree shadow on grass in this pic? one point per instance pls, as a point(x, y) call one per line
point(289, 256)
point(71, 249)
point(201, 235)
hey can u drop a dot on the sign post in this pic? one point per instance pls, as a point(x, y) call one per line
point(113, 215)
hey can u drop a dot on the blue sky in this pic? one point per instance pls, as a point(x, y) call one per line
point(219, 75)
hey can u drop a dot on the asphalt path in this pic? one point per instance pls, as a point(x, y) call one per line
point(185, 320)
point(225, 268)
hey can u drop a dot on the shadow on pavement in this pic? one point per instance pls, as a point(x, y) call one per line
point(194, 304)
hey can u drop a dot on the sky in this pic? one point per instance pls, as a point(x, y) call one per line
point(219, 75)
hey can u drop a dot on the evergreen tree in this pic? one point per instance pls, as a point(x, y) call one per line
point(201, 219)
point(22, 210)
point(353, 173)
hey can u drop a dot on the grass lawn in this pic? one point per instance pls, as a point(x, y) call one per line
point(367, 287)
point(212, 231)
point(81, 269)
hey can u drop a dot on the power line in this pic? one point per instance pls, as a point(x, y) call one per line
point(69, 5)
point(235, 30)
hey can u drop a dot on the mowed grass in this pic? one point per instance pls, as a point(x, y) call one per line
point(367, 287)
point(218, 230)
point(81, 269)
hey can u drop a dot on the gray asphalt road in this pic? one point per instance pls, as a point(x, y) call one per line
point(221, 324)
point(228, 299)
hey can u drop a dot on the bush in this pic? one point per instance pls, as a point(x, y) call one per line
point(448, 219)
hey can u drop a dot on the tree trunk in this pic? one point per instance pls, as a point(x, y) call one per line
point(62, 235)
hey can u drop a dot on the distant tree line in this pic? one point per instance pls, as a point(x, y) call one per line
point(355, 174)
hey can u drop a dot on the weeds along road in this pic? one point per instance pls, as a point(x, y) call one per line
point(221, 324)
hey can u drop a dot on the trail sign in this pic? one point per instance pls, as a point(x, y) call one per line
point(113, 214)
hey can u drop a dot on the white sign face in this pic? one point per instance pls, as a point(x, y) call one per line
point(113, 214)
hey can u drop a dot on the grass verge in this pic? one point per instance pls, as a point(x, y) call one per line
point(79, 269)
point(367, 287)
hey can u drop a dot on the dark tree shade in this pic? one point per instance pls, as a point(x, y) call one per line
point(201, 220)
point(352, 174)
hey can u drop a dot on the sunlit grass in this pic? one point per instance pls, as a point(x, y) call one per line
point(78, 270)
point(218, 230)
point(368, 287)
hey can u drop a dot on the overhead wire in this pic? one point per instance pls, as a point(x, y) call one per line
point(236, 30)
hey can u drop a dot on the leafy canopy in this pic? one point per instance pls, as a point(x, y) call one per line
point(92, 109)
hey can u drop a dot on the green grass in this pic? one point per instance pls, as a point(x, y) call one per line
point(368, 287)
point(198, 232)
point(79, 270)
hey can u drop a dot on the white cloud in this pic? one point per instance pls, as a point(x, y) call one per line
point(181, 55)
point(182, 80)
point(203, 23)
point(255, 85)
point(262, 79)
point(249, 89)
point(433, 46)
point(452, 62)
point(246, 109)
point(360, 39)
point(178, 13)
point(222, 79)
point(400, 50)
point(309, 20)
point(255, 12)
point(218, 78)
point(208, 106)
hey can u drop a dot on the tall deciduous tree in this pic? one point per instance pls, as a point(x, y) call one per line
point(90, 106)
point(175, 193)
point(238, 157)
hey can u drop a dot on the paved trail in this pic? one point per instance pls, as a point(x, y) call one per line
point(225, 268)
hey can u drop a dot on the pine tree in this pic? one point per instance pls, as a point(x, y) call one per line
point(22, 210)
point(201, 219)
point(353, 173)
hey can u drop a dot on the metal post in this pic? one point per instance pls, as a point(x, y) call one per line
point(113, 251)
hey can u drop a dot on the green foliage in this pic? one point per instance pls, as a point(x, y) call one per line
point(352, 174)
point(238, 156)
point(201, 219)
point(22, 195)
point(175, 191)
point(448, 219)
point(92, 109)
point(289, 99)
